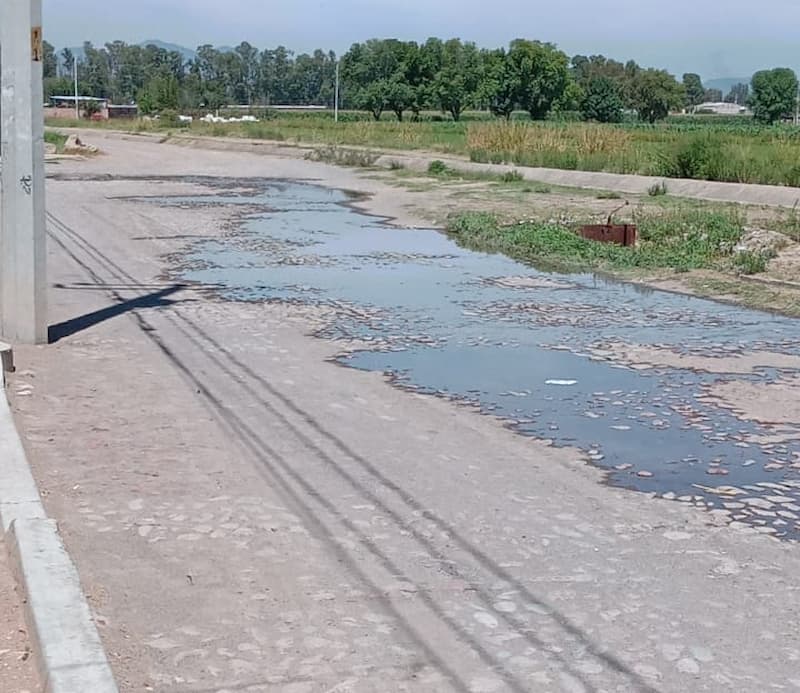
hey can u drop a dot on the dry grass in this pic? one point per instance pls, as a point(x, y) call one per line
point(518, 139)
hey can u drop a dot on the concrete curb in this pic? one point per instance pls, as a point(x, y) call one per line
point(69, 653)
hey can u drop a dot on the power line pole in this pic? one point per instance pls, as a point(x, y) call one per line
point(75, 77)
point(23, 259)
point(336, 96)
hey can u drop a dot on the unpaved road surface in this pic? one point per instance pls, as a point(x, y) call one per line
point(17, 672)
point(248, 515)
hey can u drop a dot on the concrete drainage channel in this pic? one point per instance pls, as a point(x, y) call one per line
point(68, 650)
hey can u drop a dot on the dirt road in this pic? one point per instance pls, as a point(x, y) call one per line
point(247, 515)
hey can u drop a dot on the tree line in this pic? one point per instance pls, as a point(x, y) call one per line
point(404, 77)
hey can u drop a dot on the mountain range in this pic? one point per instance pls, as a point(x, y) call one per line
point(187, 53)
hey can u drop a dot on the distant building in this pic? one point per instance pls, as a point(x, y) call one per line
point(64, 107)
point(119, 111)
point(720, 108)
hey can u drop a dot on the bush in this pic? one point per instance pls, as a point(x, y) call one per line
point(512, 177)
point(657, 189)
point(356, 158)
point(700, 158)
point(169, 118)
point(438, 168)
point(748, 262)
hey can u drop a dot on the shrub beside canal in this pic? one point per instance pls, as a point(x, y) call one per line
point(680, 240)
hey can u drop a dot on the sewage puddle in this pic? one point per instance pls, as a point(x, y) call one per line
point(545, 352)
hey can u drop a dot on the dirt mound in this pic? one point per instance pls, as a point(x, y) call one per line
point(74, 145)
point(763, 242)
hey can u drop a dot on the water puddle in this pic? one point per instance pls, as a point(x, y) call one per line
point(528, 346)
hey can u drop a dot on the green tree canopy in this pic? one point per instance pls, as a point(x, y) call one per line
point(455, 87)
point(543, 72)
point(602, 101)
point(654, 93)
point(500, 83)
point(773, 94)
point(695, 91)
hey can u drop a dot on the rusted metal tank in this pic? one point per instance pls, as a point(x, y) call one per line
point(621, 234)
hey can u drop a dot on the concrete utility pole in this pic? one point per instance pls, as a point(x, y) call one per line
point(23, 260)
point(336, 95)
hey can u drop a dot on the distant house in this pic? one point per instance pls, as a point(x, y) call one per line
point(721, 108)
point(64, 107)
point(120, 111)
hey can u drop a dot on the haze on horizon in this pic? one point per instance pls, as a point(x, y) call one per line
point(733, 39)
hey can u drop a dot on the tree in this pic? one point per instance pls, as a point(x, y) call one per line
point(584, 69)
point(94, 72)
point(374, 98)
point(602, 101)
point(695, 92)
point(399, 96)
point(374, 74)
point(456, 84)
point(712, 95)
point(654, 93)
point(500, 83)
point(248, 71)
point(49, 61)
point(773, 94)
point(738, 94)
point(67, 61)
point(543, 73)
point(160, 94)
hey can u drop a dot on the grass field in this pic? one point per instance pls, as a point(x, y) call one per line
point(706, 148)
point(679, 240)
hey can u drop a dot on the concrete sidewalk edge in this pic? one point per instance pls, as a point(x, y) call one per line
point(68, 650)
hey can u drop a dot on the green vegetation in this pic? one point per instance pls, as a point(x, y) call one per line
point(377, 76)
point(56, 139)
point(679, 240)
point(356, 158)
point(732, 150)
point(602, 101)
point(774, 94)
point(511, 177)
point(463, 100)
point(749, 262)
point(657, 189)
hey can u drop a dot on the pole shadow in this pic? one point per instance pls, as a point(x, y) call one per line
point(156, 299)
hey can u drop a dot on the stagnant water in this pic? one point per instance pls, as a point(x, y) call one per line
point(525, 345)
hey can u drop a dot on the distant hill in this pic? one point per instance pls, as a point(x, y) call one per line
point(725, 84)
point(187, 53)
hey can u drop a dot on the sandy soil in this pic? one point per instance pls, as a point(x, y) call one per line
point(770, 403)
point(640, 356)
point(17, 668)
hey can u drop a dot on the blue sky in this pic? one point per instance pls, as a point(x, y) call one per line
point(718, 38)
